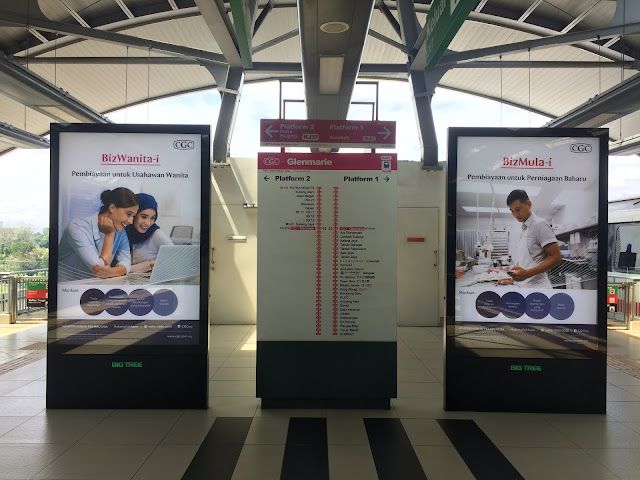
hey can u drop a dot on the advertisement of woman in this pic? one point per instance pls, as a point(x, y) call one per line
point(89, 245)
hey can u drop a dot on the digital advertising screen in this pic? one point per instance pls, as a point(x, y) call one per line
point(525, 255)
point(129, 236)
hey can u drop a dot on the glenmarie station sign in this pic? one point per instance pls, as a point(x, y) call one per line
point(327, 133)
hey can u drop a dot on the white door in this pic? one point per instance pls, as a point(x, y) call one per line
point(418, 267)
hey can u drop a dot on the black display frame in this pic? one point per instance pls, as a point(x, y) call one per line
point(562, 385)
point(171, 376)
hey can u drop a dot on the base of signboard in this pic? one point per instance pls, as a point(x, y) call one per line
point(326, 374)
point(127, 381)
point(525, 385)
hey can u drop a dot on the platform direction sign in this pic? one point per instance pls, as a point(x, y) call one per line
point(327, 133)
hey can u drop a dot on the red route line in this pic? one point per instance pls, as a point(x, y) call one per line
point(334, 298)
point(318, 261)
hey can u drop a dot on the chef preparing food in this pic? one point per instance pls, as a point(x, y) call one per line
point(538, 250)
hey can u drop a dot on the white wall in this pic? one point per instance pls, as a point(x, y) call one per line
point(421, 188)
point(232, 298)
point(233, 278)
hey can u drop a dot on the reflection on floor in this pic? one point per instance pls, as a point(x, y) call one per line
point(415, 439)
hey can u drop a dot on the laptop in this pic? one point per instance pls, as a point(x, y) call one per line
point(174, 262)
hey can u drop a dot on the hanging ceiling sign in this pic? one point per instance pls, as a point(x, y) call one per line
point(327, 133)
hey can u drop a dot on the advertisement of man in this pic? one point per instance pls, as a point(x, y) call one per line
point(526, 242)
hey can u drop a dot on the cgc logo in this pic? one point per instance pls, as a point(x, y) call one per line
point(271, 161)
point(580, 148)
point(183, 144)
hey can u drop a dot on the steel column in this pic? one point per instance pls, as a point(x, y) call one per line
point(423, 84)
point(226, 118)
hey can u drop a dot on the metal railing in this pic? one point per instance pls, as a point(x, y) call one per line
point(628, 306)
point(13, 292)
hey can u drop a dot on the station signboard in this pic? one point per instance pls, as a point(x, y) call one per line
point(327, 133)
point(326, 316)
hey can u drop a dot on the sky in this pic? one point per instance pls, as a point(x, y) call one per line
point(24, 178)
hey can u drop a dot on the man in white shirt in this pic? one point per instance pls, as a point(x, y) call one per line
point(538, 250)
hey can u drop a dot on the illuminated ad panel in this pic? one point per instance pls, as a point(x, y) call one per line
point(128, 239)
point(526, 245)
point(526, 269)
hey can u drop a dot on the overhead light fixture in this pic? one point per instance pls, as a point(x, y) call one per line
point(334, 27)
point(237, 238)
point(21, 138)
point(330, 76)
point(485, 209)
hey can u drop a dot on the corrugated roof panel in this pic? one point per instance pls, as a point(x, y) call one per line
point(190, 32)
point(279, 21)
point(17, 115)
point(377, 51)
point(473, 35)
point(287, 51)
point(123, 84)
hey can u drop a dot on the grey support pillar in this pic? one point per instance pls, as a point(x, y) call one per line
point(423, 84)
point(230, 95)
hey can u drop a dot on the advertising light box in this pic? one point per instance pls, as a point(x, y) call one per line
point(129, 235)
point(525, 255)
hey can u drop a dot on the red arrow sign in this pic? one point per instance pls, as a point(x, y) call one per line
point(327, 133)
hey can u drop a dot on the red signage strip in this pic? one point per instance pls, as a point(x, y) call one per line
point(416, 239)
point(382, 162)
point(327, 133)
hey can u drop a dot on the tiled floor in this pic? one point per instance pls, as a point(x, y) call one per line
point(157, 445)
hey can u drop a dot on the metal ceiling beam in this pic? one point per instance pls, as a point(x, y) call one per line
point(423, 86)
point(567, 38)
point(266, 10)
point(580, 17)
point(118, 26)
point(611, 42)
point(331, 61)
point(110, 37)
point(230, 96)
point(530, 10)
point(543, 64)
point(215, 16)
point(505, 22)
point(21, 138)
point(74, 14)
point(610, 105)
point(389, 16)
point(481, 5)
point(387, 40)
point(626, 146)
point(272, 67)
point(38, 35)
point(31, 90)
point(275, 41)
point(124, 8)
point(288, 67)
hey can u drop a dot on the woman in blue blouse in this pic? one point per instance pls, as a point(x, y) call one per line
point(89, 245)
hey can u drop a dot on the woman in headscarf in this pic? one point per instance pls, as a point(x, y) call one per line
point(145, 237)
point(89, 245)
